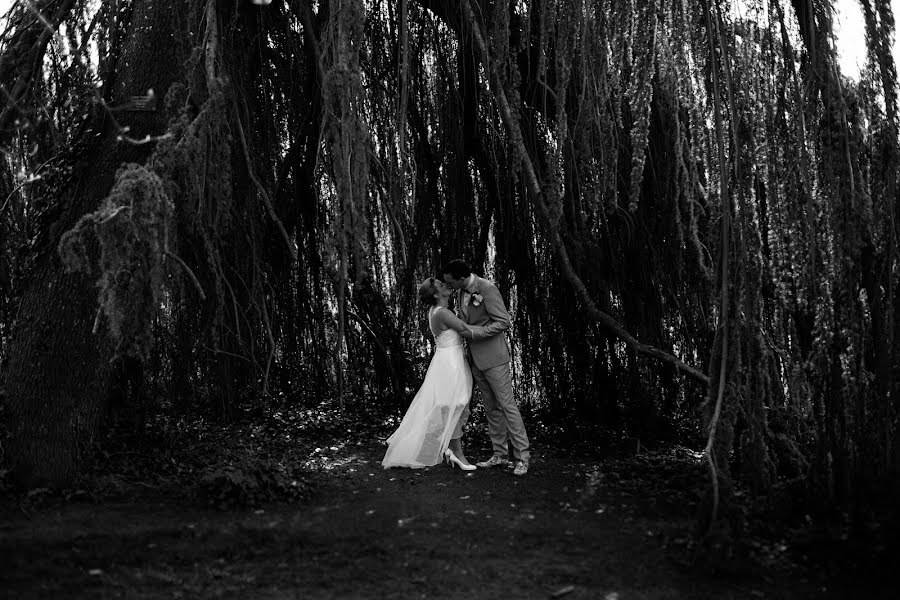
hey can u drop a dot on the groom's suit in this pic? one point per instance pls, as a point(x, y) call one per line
point(489, 358)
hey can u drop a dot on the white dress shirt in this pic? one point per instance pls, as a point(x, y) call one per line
point(467, 291)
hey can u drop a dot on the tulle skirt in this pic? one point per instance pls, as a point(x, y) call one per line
point(428, 424)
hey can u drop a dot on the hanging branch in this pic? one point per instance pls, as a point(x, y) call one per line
point(640, 95)
point(347, 137)
point(880, 32)
point(723, 299)
point(403, 159)
point(551, 228)
point(211, 43)
point(189, 273)
point(805, 167)
point(270, 209)
point(344, 275)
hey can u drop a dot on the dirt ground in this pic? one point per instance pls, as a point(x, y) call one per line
point(569, 529)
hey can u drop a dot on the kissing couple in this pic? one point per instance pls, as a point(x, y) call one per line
point(431, 429)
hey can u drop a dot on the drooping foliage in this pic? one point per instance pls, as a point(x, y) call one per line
point(132, 230)
point(690, 211)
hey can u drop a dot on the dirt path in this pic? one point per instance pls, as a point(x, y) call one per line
point(562, 531)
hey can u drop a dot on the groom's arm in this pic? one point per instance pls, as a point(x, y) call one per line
point(453, 322)
point(496, 310)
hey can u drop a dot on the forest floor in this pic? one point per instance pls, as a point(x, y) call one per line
point(165, 522)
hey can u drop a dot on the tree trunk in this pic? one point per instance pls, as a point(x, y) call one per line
point(56, 381)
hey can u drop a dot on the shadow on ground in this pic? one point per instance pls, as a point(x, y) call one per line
point(574, 530)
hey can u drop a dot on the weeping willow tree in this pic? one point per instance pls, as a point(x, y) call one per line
point(690, 211)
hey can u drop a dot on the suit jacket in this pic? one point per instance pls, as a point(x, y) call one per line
point(489, 321)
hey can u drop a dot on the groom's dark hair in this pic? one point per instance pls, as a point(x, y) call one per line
point(457, 268)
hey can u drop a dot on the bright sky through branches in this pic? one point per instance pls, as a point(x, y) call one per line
point(849, 29)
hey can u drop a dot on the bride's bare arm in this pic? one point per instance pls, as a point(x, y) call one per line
point(453, 322)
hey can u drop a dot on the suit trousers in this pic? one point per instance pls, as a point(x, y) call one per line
point(505, 423)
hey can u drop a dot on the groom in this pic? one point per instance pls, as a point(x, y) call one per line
point(480, 305)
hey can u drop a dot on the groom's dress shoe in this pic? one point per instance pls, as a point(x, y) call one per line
point(494, 461)
point(521, 468)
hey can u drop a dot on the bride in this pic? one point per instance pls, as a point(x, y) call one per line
point(430, 423)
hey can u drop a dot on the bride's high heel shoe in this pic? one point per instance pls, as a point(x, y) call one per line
point(455, 462)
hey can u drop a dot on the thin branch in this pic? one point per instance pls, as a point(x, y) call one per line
point(190, 273)
point(225, 352)
point(709, 451)
point(34, 177)
point(272, 345)
point(262, 190)
point(212, 41)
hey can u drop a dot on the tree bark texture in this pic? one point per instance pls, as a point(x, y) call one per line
point(58, 372)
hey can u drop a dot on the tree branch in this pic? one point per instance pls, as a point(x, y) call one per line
point(709, 451)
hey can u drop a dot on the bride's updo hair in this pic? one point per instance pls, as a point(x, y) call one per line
point(427, 290)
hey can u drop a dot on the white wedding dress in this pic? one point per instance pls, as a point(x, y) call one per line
point(425, 431)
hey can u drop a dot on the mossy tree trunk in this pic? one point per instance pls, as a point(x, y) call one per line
point(59, 369)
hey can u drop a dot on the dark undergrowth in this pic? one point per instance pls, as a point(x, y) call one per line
point(642, 497)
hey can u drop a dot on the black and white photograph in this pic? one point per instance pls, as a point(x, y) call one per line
point(443, 299)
